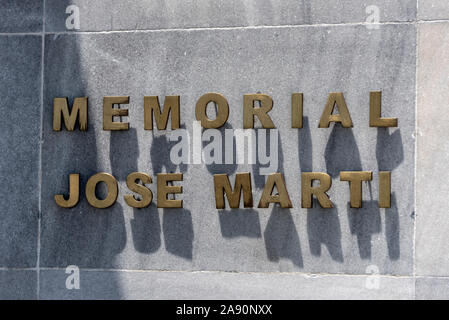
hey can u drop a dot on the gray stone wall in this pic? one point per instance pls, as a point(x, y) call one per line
point(188, 48)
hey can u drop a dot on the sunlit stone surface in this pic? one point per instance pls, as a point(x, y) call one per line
point(189, 48)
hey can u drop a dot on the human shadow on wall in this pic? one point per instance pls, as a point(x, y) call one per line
point(123, 153)
point(234, 222)
point(323, 228)
point(109, 225)
point(323, 224)
point(364, 222)
point(146, 229)
point(91, 239)
point(160, 154)
point(177, 225)
point(392, 230)
point(83, 236)
point(389, 155)
point(281, 235)
point(239, 222)
point(389, 149)
point(178, 232)
point(341, 152)
point(305, 154)
point(259, 179)
point(123, 156)
point(216, 168)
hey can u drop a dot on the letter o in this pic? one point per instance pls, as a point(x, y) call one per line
point(91, 186)
point(222, 110)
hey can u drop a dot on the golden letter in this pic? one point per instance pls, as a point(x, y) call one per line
point(91, 186)
point(222, 110)
point(109, 112)
point(275, 179)
point(355, 179)
point(384, 189)
point(74, 193)
point(307, 189)
point(297, 100)
point(335, 98)
point(61, 108)
point(163, 190)
point(375, 119)
point(249, 111)
point(151, 105)
point(222, 186)
point(147, 195)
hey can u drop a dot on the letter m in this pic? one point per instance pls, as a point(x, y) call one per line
point(223, 186)
point(61, 109)
point(151, 106)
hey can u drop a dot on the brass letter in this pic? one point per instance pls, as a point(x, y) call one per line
point(266, 104)
point(91, 185)
point(297, 100)
point(222, 186)
point(355, 179)
point(61, 108)
point(109, 112)
point(74, 193)
point(335, 98)
point(163, 190)
point(375, 119)
point(222, 110)
point(151, 105)
point(275, 179)
point(147, 195)
point(384, 189)
point(307, 189)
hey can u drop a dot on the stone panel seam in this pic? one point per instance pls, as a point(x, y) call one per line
point(228, 28)
point(416, 150)
point(307, 274)
point(18, 269)
point(431, 276)
point(218, 28)
point(9, 34)
point(432, 20)
point(40, 154)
